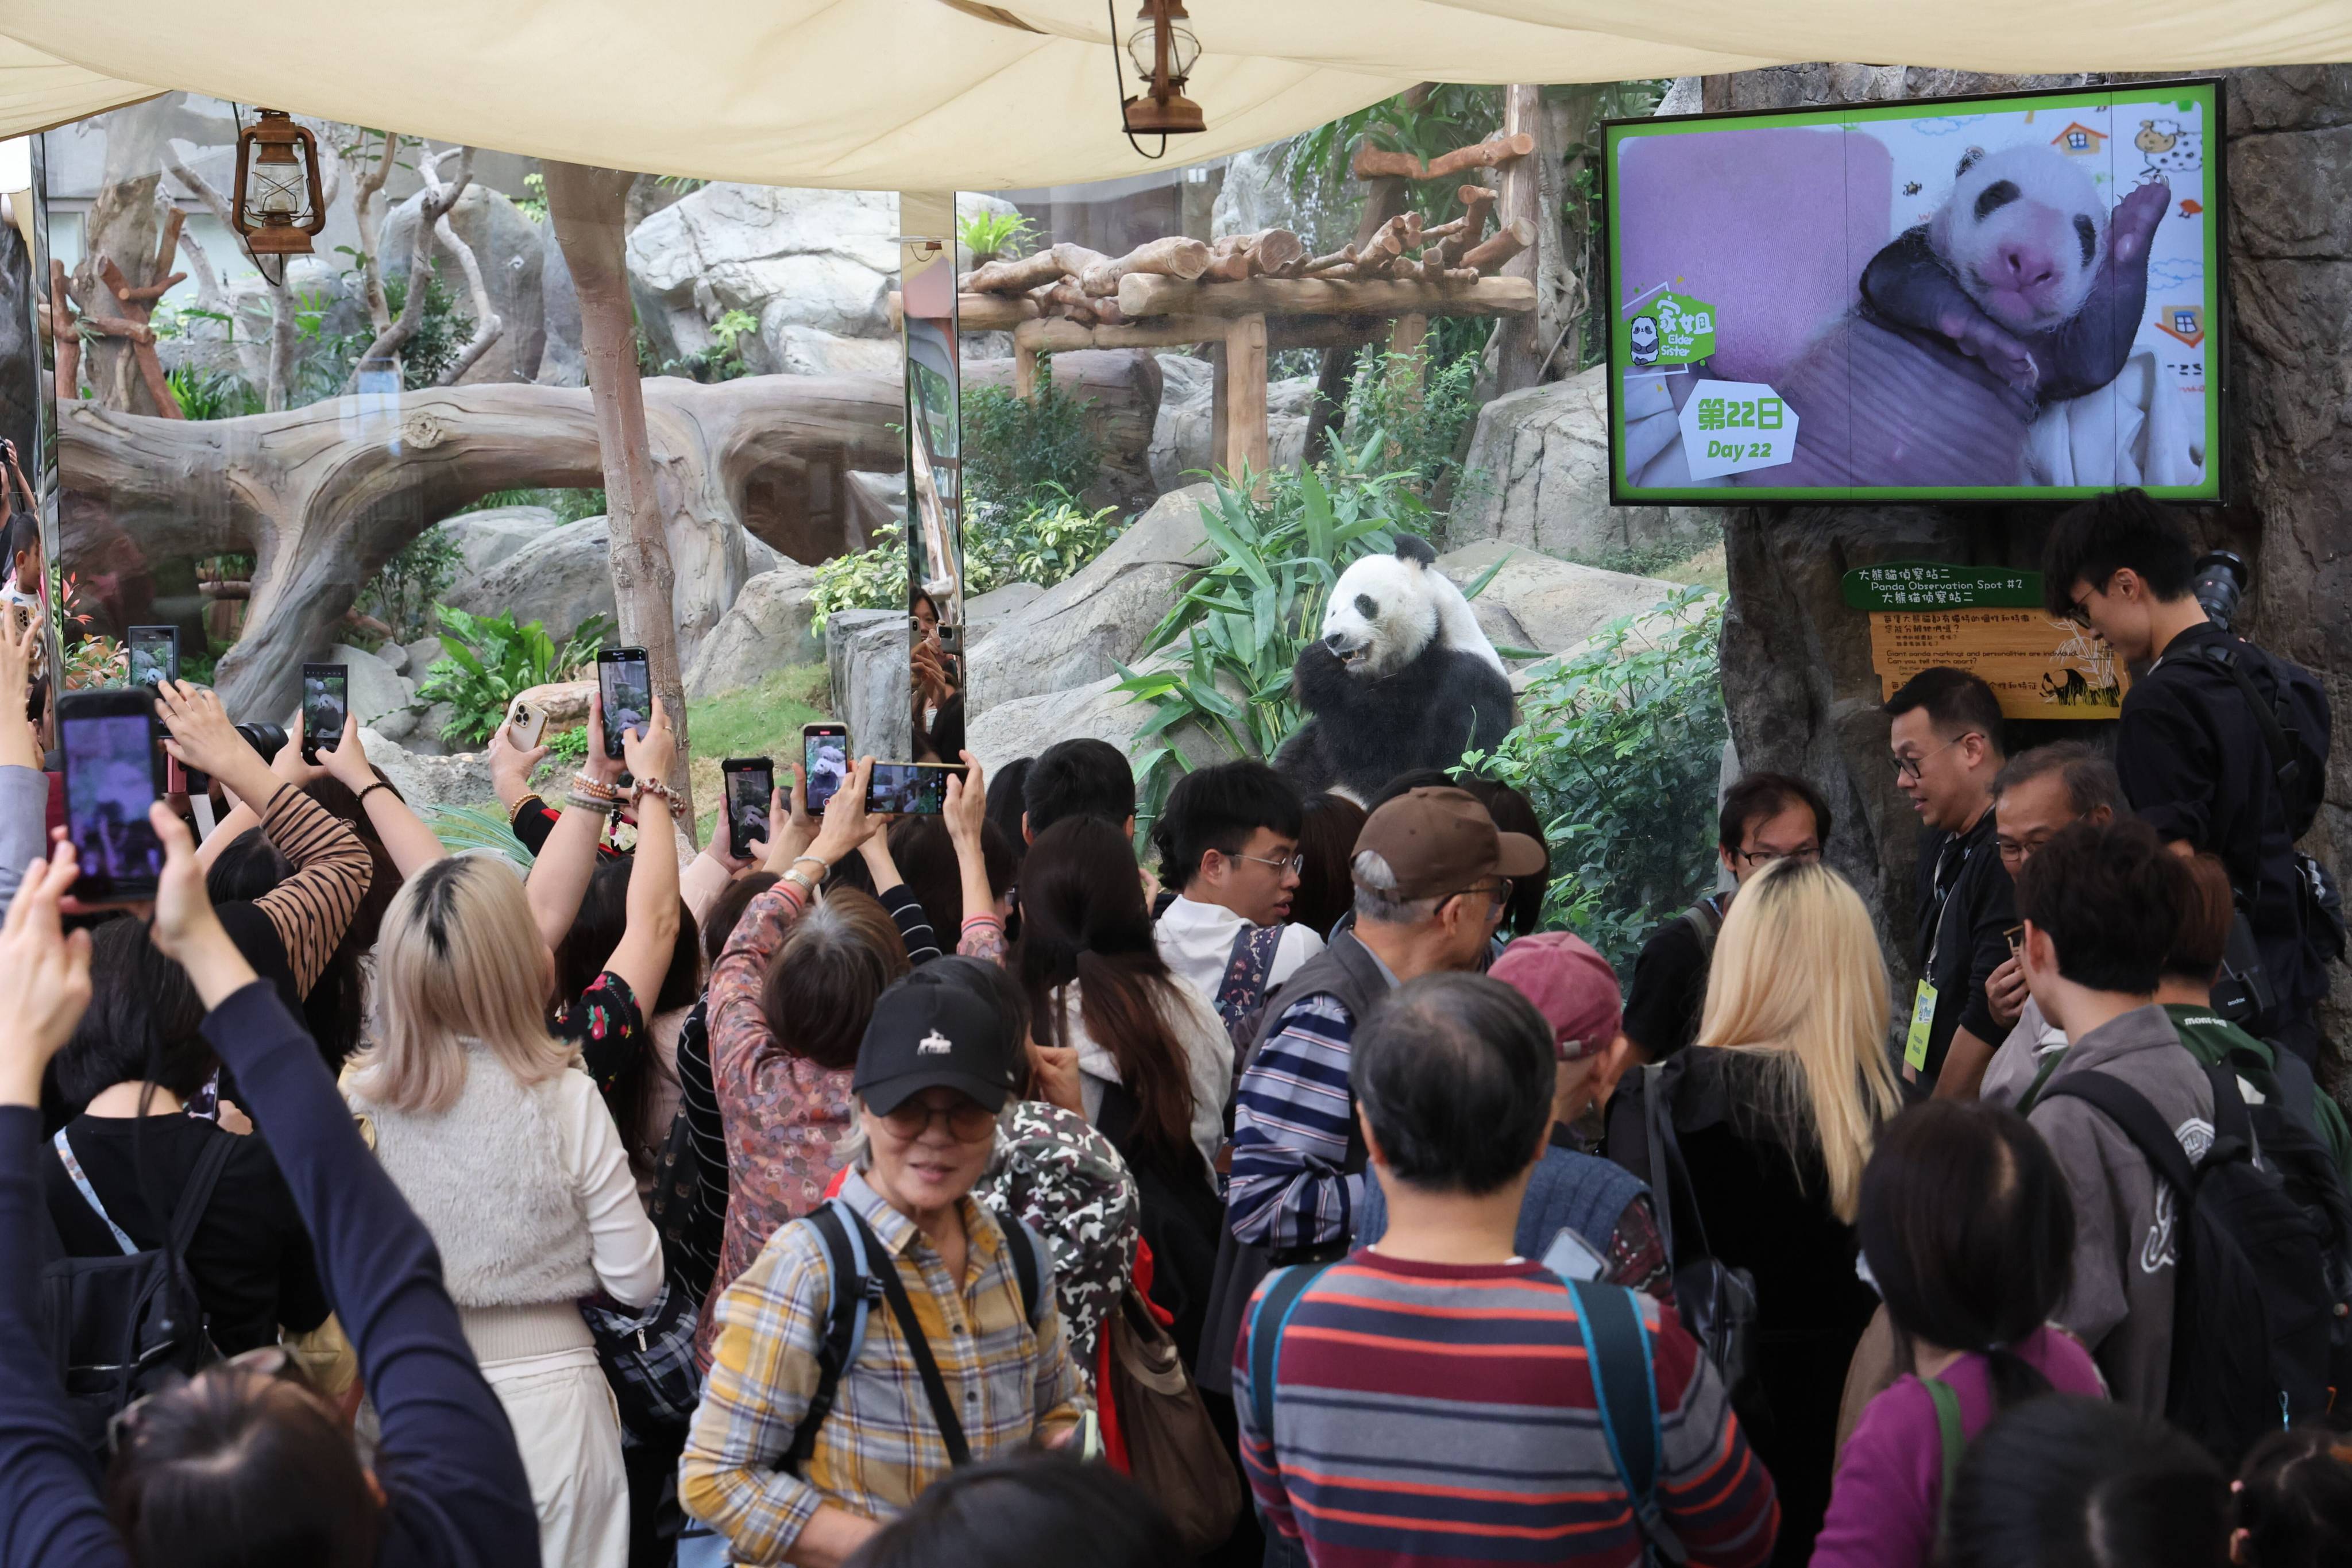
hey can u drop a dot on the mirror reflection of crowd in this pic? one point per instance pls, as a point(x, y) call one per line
point(935, 679)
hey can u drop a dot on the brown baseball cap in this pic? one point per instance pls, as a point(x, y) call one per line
point(1440, 841)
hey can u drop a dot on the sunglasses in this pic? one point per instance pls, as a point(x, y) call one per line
point(968, 1120)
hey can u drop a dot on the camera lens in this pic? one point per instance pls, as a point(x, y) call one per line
point(266, 738)
point(2220, 584)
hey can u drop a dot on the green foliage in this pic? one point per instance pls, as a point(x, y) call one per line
point(212, 393)
point(723, 360)
point(1015, 448)
point(1245, 616)
point(1421, 423)
point(1041, 546)
point(1620, 748)
point(461, 828)
point(990, 235)
point(490, 658)
point(535, 206)
point(1451, 115)
point(401, 595)
point(871, 579)
point(569, 506)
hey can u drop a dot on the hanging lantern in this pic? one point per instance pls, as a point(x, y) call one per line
point(278, 204)
point(1163, 49)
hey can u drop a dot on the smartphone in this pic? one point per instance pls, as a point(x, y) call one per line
point(824, 762)
point(326, 703)
point(1570, 1257)
point(750, 782)
point(154, 655)
point(909, 789)
point(113, 773)
point(526, 722)
point(625, 682)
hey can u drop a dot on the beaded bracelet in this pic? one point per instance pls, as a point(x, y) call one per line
point(597, 787)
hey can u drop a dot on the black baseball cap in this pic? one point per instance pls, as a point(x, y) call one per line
point(925, 1035)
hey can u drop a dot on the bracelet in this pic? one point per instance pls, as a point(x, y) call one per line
point(370, 790)
point(818, 861)
point(800, 878)
point(654, 787)
point(582, 783)
point(585, 801)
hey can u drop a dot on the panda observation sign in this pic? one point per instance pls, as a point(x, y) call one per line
point(1996, 298)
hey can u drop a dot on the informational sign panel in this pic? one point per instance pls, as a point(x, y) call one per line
point(1990, 622)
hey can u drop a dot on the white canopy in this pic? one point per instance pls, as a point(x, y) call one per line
point(954, 94)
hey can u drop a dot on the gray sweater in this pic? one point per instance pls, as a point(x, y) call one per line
point(2121, 1304)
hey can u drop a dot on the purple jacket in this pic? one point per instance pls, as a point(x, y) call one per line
point(1888, 1494)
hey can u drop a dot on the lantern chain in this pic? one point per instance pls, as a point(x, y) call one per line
point(1119, 74)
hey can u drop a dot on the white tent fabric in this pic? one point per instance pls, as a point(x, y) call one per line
point(955, 94)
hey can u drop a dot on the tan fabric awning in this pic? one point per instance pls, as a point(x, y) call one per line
point(955, 94)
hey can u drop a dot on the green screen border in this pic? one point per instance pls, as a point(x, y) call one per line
point(2206, 91)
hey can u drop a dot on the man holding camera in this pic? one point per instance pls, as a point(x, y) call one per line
point(2221, 746)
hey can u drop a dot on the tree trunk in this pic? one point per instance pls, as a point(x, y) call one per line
point(122, 226)
point(589, 207)
point(1531, 193)
point(324, 495)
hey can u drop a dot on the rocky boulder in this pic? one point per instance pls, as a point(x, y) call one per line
point(424, 780)
point(813, 268)
point(559, 579)
point(375, 688)
point(1004, 731)
point(1540, 468)
point(484, 538)
point(1076, 632)
point(512, 251)
point(1180, 435)
point(1539, 601)
point(982, 612)
point(768, 628)
point(866, 661)
point(565, 703)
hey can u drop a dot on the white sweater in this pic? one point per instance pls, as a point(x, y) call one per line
point(528, 1195)
point(1208, 1061)
point(1196, 941)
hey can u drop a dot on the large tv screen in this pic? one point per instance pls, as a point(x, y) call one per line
point(1978, 299)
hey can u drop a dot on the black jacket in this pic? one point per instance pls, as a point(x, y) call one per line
point(2194, 766)
point(1962, 924)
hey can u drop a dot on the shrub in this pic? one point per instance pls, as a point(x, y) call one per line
point(1015, 450)
point(1041, 546)
point(490, 658)
point(403, 594)
point(1421, 421)
point(991, 234)
point(1621, 748)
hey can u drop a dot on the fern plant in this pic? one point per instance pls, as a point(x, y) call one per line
point(991, 234)
point(490, 659)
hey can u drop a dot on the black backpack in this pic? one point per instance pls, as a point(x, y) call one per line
point(129, 1325)
point(2252, 1313)
point(2287, 1134)
point(2295, 724)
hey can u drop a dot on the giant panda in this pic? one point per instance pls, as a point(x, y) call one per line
point(1401, 679)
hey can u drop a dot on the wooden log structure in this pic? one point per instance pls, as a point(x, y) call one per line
point(1378, 163)
point(1142, 297)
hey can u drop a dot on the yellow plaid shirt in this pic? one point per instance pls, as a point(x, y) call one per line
point(881, 1446)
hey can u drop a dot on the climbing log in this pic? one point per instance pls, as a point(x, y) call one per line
point(1177, 256)
point(1378, 163)
point(1505, 244)
point(1144, 296)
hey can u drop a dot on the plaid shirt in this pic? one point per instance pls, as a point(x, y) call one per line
point(881, 1445)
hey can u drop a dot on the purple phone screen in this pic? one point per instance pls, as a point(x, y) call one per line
point(110, 783)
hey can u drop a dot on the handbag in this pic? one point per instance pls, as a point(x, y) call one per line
point(647, 1356)
point(1173, 1450)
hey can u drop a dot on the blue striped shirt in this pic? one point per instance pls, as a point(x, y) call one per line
point(1292, 1117)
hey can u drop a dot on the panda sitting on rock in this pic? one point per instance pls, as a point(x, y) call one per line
point(1402, 678)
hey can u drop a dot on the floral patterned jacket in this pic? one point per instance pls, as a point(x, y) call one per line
point(783, 1115)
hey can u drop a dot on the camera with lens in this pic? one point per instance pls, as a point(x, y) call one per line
point(2220, 584)
point(266, 738)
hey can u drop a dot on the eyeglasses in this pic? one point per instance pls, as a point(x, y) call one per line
point(2014, 852)
point(1755, 858)
point(1498, 894)
point(274, 1362)
point(1909, 767)
point(1296, 863)
point(968, 1120)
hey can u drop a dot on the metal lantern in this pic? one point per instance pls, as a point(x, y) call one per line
point(1164, 51)
point(278, 204)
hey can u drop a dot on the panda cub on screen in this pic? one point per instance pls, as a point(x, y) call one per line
point(1402, 679)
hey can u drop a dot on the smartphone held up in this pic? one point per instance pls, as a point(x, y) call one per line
point(624, 685)
point(113, 773)
point(751, 782)
point(825, 763)
point(326, 705)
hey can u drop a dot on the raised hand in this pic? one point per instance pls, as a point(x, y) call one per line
point(49, 976)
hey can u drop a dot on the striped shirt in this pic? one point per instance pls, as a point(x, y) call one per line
point(881, 1445)
point(310, 909)
point(1293, 1113)
point(1429, 1414)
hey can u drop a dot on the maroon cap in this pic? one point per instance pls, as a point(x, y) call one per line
point(1570, 984)
point(1439, 841)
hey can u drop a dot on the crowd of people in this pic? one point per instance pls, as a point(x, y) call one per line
point(951, 1189)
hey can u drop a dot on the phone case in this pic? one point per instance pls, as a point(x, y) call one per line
point(525, 724)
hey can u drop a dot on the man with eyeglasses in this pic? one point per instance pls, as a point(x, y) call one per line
point(1765, 817)
point(1228, 843)
point(1432, 875)
point(2220, 745)
point(1945, 736)
point(2039, 794)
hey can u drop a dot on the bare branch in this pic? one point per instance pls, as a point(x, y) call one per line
point(432, 205)
point(365, 195)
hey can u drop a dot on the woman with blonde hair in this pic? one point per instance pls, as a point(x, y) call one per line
point(1774, 1113)
point(509, 1155)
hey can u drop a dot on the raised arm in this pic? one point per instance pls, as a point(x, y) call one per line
point(23, 787)
point(559, 877)
point(411, 844)
point(457, 1490)
point(49, 1507)
point(650, 937)
point(965, 814)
